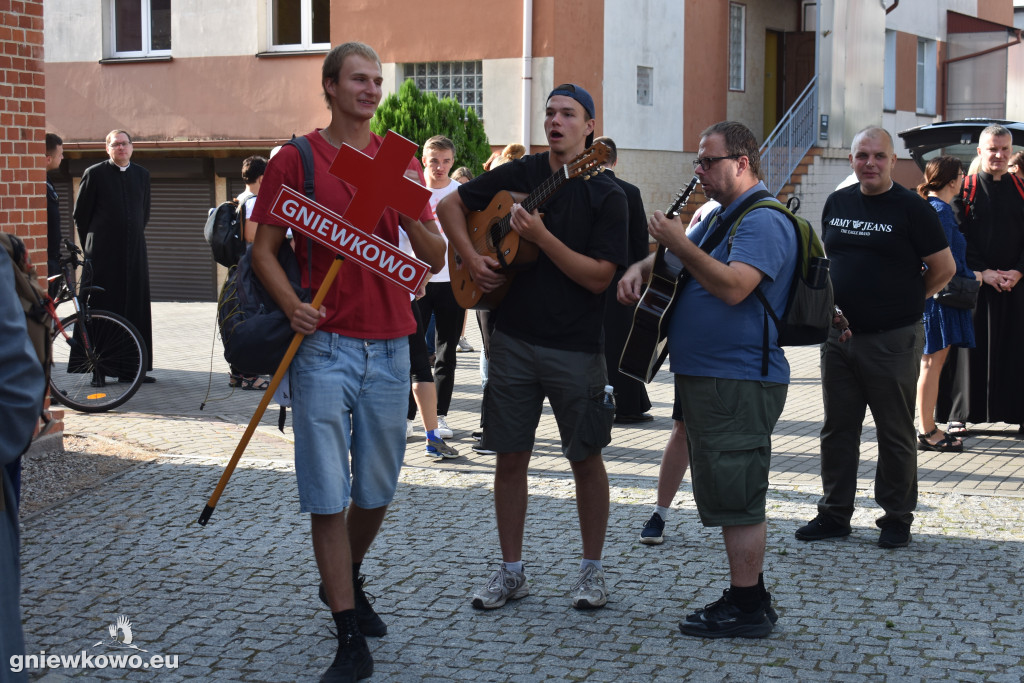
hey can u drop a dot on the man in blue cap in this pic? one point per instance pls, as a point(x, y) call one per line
point(547, 340)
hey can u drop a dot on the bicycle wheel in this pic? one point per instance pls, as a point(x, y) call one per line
point(97, 365)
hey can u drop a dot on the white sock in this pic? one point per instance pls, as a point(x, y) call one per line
point(516, 567)
point(662, 512)
point(584, 563)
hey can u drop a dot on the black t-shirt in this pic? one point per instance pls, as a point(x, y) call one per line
point(876, 244)
point(543, 305)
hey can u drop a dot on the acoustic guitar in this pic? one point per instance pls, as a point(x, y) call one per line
point(491, 232)
point(647, 344)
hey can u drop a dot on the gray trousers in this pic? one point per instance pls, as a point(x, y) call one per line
point(877, 370)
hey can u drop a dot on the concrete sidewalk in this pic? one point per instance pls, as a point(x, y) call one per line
point(236, 600)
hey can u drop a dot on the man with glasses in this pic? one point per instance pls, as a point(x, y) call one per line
point(715, 345)
point(113, 209)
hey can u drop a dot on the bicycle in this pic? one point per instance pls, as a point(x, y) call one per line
point(98, 356)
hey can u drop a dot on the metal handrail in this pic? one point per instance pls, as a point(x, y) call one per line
point(787, 145)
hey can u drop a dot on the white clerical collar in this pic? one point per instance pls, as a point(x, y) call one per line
point(123, 168)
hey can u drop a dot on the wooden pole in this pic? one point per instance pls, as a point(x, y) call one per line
point(268, 395)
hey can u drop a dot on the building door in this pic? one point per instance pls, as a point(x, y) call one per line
point(181, 267)
point(799, 65)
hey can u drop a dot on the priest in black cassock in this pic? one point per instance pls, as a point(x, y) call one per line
point(989, 388)
point(113, 206)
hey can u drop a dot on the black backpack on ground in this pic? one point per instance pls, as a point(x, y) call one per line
point(255, 331)
point(223, 232)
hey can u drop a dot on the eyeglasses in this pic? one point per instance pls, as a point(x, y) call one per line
point(705, 162)
point(115, 145)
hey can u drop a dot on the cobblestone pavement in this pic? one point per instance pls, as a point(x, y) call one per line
point(236, 600)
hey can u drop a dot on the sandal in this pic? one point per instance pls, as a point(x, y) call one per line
point(234, 380)
point(957, 429)
point(255, 383)
point(948, 444)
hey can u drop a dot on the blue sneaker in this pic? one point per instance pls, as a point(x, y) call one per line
point(439, 450)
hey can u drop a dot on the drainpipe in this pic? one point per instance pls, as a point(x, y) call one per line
point(947, 62)
point(527, 70)
point(894, 6)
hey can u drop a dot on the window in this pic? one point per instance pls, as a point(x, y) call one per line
point(461, 81)
point(737, 53)
point(926, 75)
point(889, 73)
point(644, 85)
point(300, 25)
point(810, 15)
point(140, 28)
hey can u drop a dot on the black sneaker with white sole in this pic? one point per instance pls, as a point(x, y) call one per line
point(654, 531)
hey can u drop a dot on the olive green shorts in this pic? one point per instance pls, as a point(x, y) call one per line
point(729, 426)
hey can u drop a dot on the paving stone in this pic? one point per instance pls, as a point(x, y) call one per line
point(236, 599)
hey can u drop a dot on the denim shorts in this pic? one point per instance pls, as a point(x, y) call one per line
point(520, 375)
point(349, 398)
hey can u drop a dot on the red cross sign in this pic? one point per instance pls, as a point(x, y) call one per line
point(379, 183)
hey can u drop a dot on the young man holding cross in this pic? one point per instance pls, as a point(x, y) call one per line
point(548, 339)
point(350, 377)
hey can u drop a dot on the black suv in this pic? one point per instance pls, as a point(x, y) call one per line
point(958, 138)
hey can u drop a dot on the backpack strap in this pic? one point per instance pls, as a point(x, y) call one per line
point(302, 144)
point(968, 192)
point(765, 203)
point(1018, 183)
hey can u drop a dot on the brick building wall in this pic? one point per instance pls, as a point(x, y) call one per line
point(23, 126)
point(23, 140)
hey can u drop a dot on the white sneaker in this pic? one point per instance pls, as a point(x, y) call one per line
point(589, 591)
point(503, 585)
point(410, 430)
point(443, 430)
point(464, 346)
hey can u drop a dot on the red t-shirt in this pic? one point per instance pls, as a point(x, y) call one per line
point(360, 304)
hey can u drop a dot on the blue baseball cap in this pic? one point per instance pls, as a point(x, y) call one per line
point(577, 93)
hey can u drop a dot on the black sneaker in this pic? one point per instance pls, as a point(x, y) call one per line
point(369, 622)
point(894, 536)
point(353, 661)
point(654, 531)
point(766, 603)
point(821, 528)
point(723, 619)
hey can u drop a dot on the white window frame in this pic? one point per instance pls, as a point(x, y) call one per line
point(306, 21)
point(889, 73)
point(737, 47)
point(146, 18)
point(925, 75)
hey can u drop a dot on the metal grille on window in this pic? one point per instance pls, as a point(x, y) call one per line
point(461, 81)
